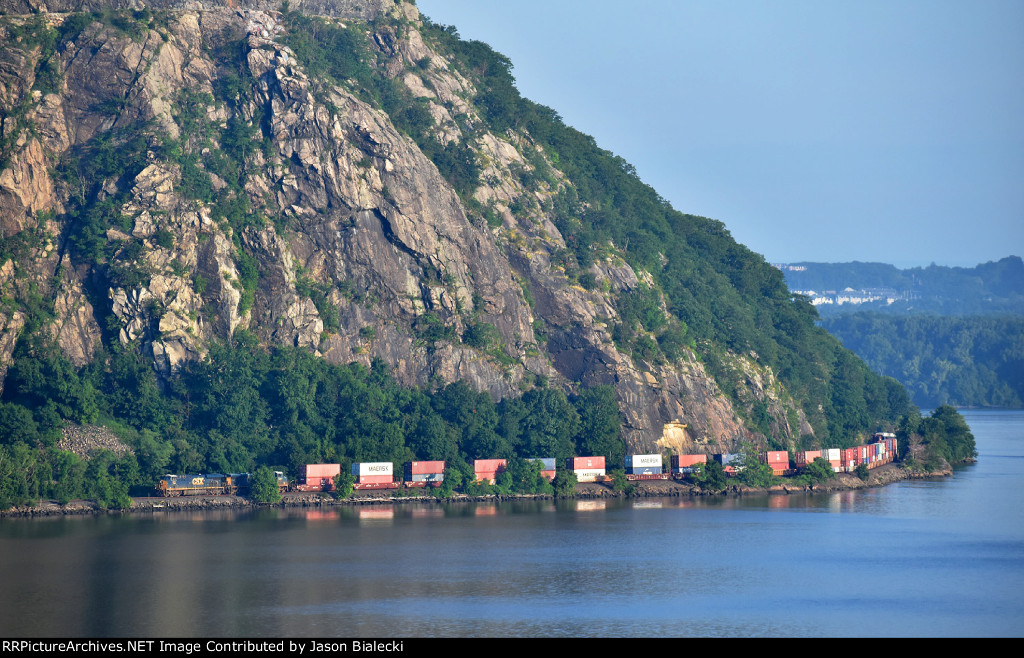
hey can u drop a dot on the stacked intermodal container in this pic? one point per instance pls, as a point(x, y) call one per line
point(643, 464)
point(850, 459)
point(373, 472)
point(729, 461)
point(834, 457)
point(548, 468)
point(805, 458)
point(587, 469)
point(424, 471)
point(318, 477)
point(686, 464)
point(487, 470)
point(885, 448)
point(777, 459)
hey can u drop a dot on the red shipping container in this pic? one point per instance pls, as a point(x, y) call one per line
point(320, 471)
point(492, 465)
point(684, 461)
point(806, 457)
point(548, 475)
point(375, 479)
point(423, 468)
point(775, 457)
point(585, 463)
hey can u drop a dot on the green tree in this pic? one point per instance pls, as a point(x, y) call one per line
point(565, 483)
point(264, 487)
point(710, 476)
point(620, 483)
point(343, 484)
point(752, 472)
point(819, 470)
point(600, 430)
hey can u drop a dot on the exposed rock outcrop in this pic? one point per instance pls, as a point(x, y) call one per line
point(322, 221)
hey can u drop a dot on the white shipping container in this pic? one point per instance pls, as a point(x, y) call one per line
point(372, 468)
point(588, 475)
point(831, 454)
point(638, 461)
point(428, 477)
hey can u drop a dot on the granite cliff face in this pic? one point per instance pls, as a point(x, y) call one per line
point(170, 178)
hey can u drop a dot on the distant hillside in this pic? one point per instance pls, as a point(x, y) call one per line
point(838, 288)
point(965, 361)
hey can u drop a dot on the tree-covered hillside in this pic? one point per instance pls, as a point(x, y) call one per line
point(254, 238)
point(967, 361)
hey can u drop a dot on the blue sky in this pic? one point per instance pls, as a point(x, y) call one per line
point(817, 131)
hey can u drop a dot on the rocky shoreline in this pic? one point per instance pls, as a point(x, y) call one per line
point(879, 477)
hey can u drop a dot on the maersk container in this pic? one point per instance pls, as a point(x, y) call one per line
point(361, 469)
point(583, 463)
point(643, 461)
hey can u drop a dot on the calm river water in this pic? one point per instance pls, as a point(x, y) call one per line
point(923, 558)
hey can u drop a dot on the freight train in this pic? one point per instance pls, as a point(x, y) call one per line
point(379, 475)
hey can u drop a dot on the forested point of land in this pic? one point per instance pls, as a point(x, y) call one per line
point(975, 361)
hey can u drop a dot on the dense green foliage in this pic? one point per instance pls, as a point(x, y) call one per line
point(263, 488)
point(753, 472)
point(944, 436)
point(963, 361)
point(819, 470)
point(710, 476)
point(245, 406)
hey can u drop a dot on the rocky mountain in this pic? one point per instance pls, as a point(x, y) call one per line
point(347, 177)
